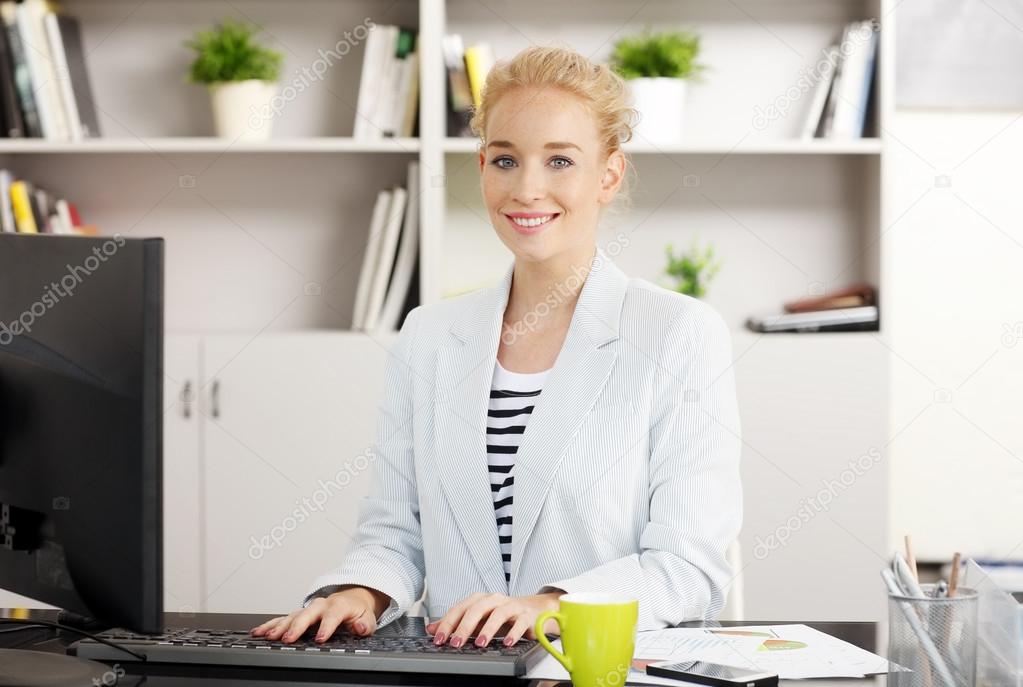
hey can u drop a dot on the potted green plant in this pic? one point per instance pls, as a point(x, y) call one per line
point(241, 77)
point(692, 270)
point(658, 67)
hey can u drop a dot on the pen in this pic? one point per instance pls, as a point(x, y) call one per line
point(918, 629)
point(953, 577)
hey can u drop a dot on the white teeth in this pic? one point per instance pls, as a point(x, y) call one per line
point(534, 222)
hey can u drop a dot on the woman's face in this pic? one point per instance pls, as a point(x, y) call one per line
point(543, 176)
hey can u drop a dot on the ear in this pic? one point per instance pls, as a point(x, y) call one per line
point(483, 158)
point(614, 174)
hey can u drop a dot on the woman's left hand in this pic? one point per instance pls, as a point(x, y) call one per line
point(494, 611)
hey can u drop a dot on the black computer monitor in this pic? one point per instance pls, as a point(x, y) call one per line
point(81, 396)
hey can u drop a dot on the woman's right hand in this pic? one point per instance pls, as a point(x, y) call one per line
point(353, 608)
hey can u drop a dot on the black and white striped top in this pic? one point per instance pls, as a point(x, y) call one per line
point(512, 397)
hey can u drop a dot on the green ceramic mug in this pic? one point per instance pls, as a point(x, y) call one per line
point(598, 634)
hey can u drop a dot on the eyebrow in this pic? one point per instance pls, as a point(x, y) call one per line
point(552, 144)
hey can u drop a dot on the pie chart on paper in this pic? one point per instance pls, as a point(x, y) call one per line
point(780, 645)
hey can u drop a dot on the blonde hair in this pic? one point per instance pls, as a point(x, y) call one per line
point(601, 90)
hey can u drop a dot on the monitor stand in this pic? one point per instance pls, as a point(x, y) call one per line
point(44, 669)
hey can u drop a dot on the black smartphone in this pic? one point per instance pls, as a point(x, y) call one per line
point(712, 674)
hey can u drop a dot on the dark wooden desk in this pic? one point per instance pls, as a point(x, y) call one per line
point(862, 634)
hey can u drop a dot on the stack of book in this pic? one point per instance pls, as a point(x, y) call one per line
point(26, 208)
point(467, 70)
point(44, 85)
point(842, 99)
point(389, 84)
point(389, 280)
point(850, 309)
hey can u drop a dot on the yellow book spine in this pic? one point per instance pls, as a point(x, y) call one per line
point(476, 70)
point(22, 208)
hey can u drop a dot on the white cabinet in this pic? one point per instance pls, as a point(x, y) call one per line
point(283, 431)
point(182, 496)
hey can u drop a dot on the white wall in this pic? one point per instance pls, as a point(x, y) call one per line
point(954, 297)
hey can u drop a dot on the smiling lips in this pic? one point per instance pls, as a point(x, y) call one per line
point(530, 222)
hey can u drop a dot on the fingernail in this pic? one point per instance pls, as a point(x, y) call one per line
point(482, 640)
point(456, 642)
point(320, 637)
point(360, 627)
point(508, 641)
point(439, 638)
point(288, 635)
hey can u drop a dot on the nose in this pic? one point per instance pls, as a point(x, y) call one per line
point(530, 184)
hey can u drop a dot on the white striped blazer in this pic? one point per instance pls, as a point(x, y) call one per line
point(626, 479)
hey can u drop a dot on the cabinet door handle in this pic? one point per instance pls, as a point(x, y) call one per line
point(186, 399)
point(215, 399)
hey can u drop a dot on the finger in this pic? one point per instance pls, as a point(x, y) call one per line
point(261, 629)
point(279, 627)
point(498, 617)
point(336, 615)
point(366, 623)
point(473, 616)
point(301, 622)
point(517, 630)
point(444, 626)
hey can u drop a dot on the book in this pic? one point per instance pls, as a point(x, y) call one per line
point(6, 213)
point(385, 257)
point(78, 75)
point(401, 280)
point(10, 113)
point(839, 319)
point(408, 94)
point(19, 72)
point(369, 258)
point(459, 95)
point(479, 59)
point(22, 208)
point(400, 81)
point(64, 217)
point(30, 16)
point(827, 118)
point(853, 95)
point(851, 296)
point(67, 97)
point(383, 63)
point(815, 114)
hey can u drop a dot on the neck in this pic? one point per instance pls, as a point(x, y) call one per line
point(549, 289)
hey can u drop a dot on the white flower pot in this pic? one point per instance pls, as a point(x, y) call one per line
point(241, 109)
point(661, 103)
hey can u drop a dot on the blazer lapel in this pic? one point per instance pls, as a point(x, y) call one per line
point(580, 373)
point(464, 374)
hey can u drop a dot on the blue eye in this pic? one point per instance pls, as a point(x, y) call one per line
point(497, 162)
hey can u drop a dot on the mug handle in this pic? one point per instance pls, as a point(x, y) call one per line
point(559, 618)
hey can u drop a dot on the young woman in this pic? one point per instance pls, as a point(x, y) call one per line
point(571, 429)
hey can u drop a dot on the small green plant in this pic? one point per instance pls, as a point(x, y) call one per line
point(228, 53)
point(670, 53)
point(693, 269)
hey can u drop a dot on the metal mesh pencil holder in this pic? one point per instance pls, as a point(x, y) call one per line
point(933, 639)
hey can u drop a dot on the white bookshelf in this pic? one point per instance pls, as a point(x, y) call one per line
point(250, 226)
point(211, 144)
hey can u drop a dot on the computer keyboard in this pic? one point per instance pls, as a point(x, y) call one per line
point(401, 646)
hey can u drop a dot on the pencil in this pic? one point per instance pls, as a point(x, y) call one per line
point(953, 577)
point(910, 558)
